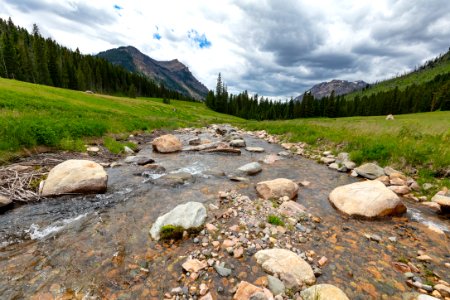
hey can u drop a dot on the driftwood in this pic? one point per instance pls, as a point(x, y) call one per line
point(20, 182)
point(224, 150)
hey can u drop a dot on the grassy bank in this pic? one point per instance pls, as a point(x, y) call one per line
point(34, 115)
point(418, 141)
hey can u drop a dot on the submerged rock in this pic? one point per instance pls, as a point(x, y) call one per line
point(290, 268)
point(323, 292)
point(191, 215)
point(370, 171)
point(274, 189)
point(75, 176)
point(367, 199)
point(251, 168)
point(175, 179)
point(167, 144)
point(255, 149)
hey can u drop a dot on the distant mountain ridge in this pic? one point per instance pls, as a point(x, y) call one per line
point(340, 87)
point(173, 74)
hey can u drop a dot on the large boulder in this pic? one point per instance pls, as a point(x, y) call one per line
point(167, 144)
point(290, 268)
point(443, 201)
point(367, 199)
point(370, 171)
point(75, 176)
point(191, 215)
point(4, 201)
point(323, 292)
point(274, 189)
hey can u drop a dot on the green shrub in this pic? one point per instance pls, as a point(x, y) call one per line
point(169, 232)
point(274, 220)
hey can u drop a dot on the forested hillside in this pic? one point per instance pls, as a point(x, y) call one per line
point(421, 96)
point(32, 58)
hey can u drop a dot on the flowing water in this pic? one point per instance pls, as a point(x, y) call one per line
point(99, 246)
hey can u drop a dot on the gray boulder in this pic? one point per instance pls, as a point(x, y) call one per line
point(370, 171)
point(191, 215)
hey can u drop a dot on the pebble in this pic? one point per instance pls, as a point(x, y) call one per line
point(224, 272)
point(375, 238)
point(393, 239)
point(322, 261)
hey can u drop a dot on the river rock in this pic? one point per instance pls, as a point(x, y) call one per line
point(167, 144)
point(323, 292)
point(276, 286)
point(195, 141)
point(327, 160)
point(290, 268)
point(442, 289)
point(255, 149)
point(194, 265)
point(4, 201)
point(247, 291)
point(368, 199)
point(270, 159)
point(370, 171)
point(349, 165)
point(400, 189)
point(75, 176)
point(139, 160)
point(176, 179)
point(251, 168)
point(443, 201)
point(191, 215)
point(292, 209)
point(239, 143)
point(274, 189)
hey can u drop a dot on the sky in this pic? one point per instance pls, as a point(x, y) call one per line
point(276, 48)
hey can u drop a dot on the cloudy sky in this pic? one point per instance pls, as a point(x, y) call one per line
point(276, 48)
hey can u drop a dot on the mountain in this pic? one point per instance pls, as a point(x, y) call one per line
point(173, 74)
point(340, 87)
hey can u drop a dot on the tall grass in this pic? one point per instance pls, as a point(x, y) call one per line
point(418, 141)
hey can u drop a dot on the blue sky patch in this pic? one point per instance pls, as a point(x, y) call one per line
point(199, 39)
point(156, 36)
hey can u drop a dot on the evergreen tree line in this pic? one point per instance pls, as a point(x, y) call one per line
point(425, 97)
point(32, 58)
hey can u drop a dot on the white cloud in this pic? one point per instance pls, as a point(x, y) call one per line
point(271, 47)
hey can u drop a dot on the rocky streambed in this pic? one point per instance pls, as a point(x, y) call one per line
point(256, 244)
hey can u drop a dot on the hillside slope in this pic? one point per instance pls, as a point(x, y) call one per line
point(425, 73)
point(173, 74)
